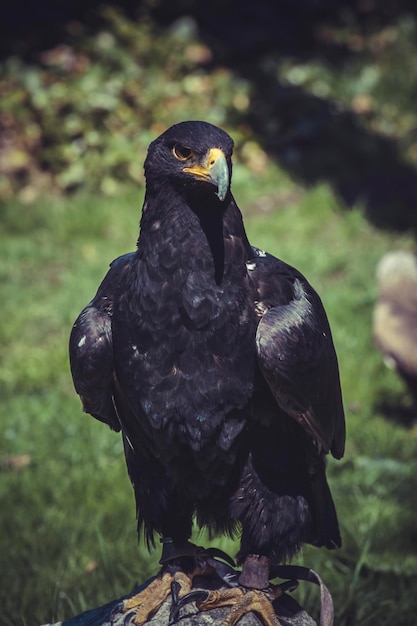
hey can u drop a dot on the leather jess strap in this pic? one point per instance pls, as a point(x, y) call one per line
point(298, 572)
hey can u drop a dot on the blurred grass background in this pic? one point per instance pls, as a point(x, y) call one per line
point(322, 109)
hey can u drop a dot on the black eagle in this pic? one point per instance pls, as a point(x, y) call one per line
point(216, 362)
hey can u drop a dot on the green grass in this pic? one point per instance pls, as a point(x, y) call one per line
point(67, 527)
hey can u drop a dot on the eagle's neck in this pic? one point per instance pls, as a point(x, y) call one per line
point(203, 238)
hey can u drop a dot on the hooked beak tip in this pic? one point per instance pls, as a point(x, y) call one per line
point(219, 175)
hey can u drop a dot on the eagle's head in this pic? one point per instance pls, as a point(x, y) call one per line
point(189, 156)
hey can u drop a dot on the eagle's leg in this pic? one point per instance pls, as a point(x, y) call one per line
point(180, 564)
point(253, 594)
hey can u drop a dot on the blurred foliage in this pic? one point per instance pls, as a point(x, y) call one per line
point(83, 114)
point(86, 113)
point(373, 82)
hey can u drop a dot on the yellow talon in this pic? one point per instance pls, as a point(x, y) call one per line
point(244, 601)
point(149, 600)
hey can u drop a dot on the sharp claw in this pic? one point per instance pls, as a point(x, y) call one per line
point(228, 575)
point(175, 589)
point(216, 553)
point(199, 595)
point(128, 618)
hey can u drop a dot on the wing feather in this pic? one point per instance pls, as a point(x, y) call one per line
point(91, 349)
point(296, 353)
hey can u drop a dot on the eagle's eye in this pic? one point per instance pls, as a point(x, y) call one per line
point(182, 153)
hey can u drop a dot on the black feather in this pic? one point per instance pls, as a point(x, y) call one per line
point(216, 361)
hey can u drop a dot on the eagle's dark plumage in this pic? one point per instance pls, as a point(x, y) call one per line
point(216, 362)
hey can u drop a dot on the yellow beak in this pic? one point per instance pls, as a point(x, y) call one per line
point(214, 170)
